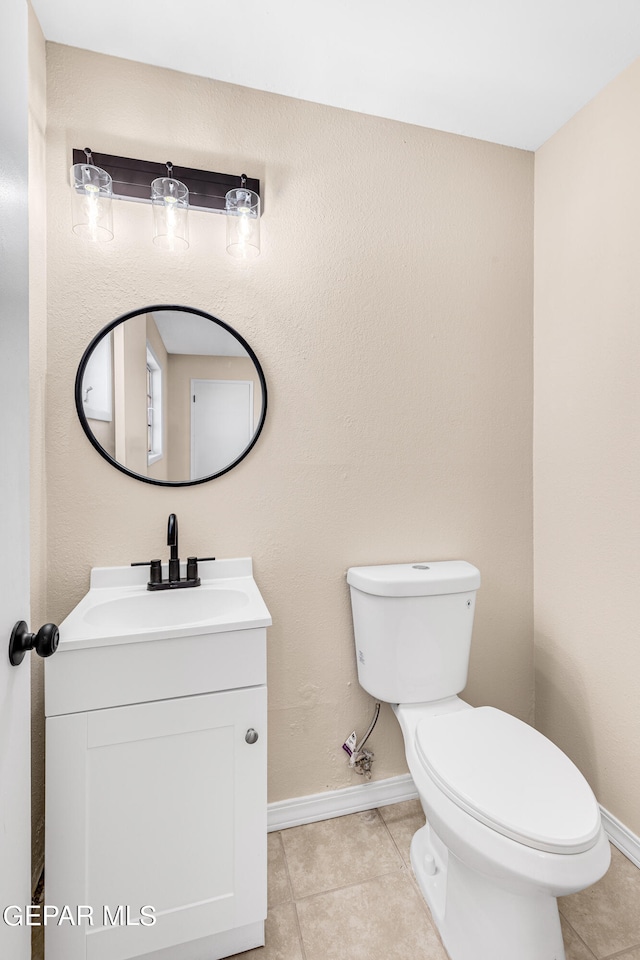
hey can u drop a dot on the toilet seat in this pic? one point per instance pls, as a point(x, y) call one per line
point(510, 777)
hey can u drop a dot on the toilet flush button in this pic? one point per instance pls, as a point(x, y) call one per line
point(420, 566)
point(429, 865)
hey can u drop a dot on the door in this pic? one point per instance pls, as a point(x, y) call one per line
point(221, 424)
point(15, 799)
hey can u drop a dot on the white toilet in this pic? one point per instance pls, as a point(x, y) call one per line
point(511, 822)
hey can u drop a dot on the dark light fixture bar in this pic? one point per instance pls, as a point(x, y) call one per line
point(132, 180)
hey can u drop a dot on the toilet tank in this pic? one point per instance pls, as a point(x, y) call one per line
point(412, 625)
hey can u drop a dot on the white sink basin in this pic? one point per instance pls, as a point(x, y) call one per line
point(119, 608)
point(171, 608)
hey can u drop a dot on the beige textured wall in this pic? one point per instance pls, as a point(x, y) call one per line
point(391, 310)
point(587, 442)
point(37, 405)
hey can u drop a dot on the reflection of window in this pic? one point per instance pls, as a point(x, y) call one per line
point(154, 407)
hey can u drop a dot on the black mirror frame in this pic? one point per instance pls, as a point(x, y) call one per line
point(85, 423)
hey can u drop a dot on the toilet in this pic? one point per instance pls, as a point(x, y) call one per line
point(511, 822)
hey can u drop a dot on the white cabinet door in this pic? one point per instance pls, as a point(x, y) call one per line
point(158, 804)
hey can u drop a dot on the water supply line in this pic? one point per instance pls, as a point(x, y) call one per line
point(376, 714)
point(361, 759)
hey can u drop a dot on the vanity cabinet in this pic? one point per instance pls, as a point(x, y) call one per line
point(157, 802)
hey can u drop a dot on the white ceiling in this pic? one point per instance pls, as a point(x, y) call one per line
point(508, 71)
point(189, 333)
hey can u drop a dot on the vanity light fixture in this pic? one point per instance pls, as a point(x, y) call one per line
point(170, 201)
point(92, 190)
point(172, 191)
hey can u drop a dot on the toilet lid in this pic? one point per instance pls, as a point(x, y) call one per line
point(510, 777)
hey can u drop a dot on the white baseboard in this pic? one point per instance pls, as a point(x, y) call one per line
point(337, 803)
point(621, 837)
point(379, 793)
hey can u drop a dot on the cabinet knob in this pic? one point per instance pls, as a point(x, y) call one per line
point(251, 735)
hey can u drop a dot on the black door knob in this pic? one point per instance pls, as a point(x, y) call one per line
point(44, 642)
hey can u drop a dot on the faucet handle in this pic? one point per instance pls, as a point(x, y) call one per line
point(192, 568)
point(156, 569)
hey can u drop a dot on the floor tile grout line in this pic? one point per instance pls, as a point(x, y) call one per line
point(356, 883)
point(295, 908)
point(412, 878)
point(286, 867)
point(620, 953)
point(302, 947)
point(576, 934)
point(380, 821)
point(393, 839)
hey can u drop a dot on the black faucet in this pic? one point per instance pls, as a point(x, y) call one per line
point(155, 580)
point(172, 541)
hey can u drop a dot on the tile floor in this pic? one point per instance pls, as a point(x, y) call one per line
point(343, 889)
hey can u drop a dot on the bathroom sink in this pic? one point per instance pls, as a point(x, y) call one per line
point(118, 607)
point(171, 609)
point(123, 644)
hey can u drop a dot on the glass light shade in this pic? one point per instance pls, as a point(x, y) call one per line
point(91, 204)
point(170, 201)
point(242, 207)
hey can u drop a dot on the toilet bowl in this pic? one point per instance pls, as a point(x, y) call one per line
point(489, 866)
point(511, 822)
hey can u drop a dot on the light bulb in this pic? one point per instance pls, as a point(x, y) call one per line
point(244, 223)
point(92, 209)
point(170, 201)
point(91, 206)
point(242, 207)
point(170, 213)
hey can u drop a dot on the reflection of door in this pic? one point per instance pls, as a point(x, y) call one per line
point(15, 801)
point(221, 424)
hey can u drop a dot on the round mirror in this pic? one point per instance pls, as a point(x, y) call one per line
point(171, 395)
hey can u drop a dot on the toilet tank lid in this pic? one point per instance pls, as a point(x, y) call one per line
point(418, 579)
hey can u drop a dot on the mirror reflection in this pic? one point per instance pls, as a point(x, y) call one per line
point(171, 395)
